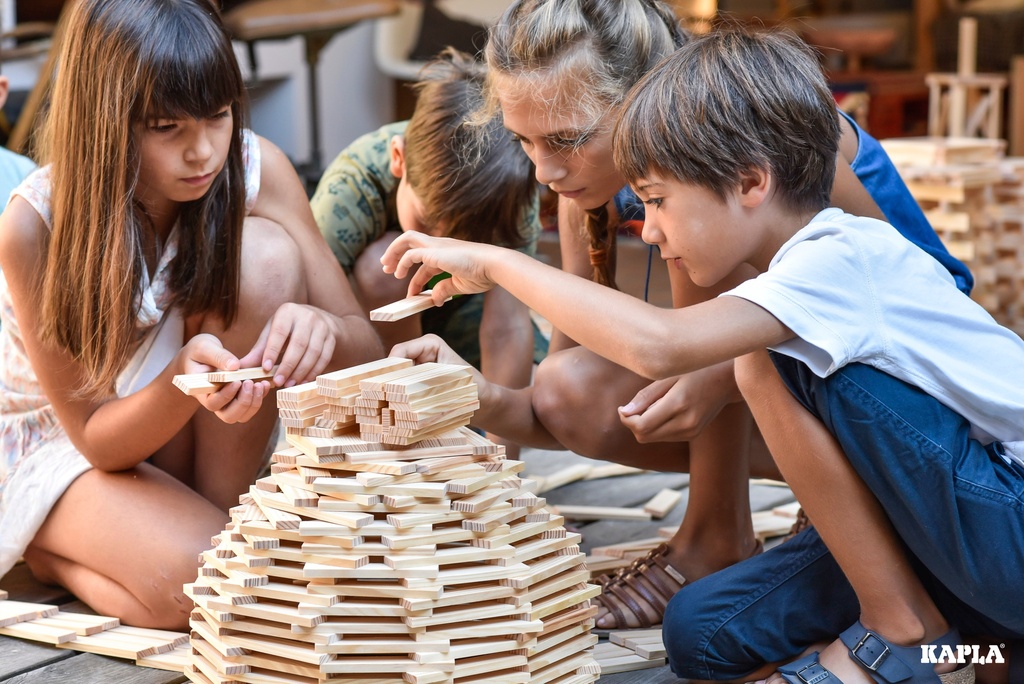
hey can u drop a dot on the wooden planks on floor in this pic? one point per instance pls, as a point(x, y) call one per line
point(24, 662)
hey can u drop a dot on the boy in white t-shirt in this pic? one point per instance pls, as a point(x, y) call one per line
point(892, 403)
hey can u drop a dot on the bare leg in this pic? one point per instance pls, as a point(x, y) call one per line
point(846, 514)
point(717, 530)
point(125, 543)
point(228, 457)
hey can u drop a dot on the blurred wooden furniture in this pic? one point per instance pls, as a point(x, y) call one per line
point(316, 21)
point(855, 43)
point(33, 38)
point(396, 36)
point(37, 10)
point(898, 104)
point(1015, 122)
point(966, 103)
point(696, 15)
point(925, 14)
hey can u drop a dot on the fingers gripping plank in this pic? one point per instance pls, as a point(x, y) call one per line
point(403, 308)
point(195, 384)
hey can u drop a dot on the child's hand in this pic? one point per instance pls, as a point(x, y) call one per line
point(465, 261)
point(305, 334)
point(431, 348)
point(678, 409)
point(426, 349)
point(235, 402)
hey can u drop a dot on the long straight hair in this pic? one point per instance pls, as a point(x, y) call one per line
point(120, 64)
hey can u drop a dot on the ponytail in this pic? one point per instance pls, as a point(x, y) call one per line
point(601, 235)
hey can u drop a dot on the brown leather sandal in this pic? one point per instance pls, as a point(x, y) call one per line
point(801, 524)
point(652, 579)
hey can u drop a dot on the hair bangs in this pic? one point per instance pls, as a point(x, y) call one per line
point(192, 69)
point(639, 148)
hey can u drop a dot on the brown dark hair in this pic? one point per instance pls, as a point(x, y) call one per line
point(472, 179)
point(123, 62)
point(730, 101)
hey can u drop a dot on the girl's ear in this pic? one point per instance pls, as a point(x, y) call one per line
point(756, 185)
point(397, 149)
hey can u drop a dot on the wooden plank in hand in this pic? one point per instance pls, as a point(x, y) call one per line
point(403, 308)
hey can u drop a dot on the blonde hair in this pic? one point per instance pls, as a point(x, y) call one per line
point(597, 50)
point(121, 63)
point(730, 101)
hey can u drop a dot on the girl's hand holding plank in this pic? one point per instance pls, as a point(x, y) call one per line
point(298, 337)
point(466, 261)
point(235, 402)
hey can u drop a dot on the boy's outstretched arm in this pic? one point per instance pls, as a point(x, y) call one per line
point(652, 342)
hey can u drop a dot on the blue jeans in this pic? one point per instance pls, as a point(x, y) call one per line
point(958, 506)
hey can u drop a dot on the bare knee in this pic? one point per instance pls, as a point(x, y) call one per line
point(555, 393)
point(271, 269)
point(375, 287)
point(154, 599)
point(162, 601)
point(575, 397)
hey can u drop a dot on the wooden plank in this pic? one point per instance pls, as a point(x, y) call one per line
point(82, 624)
point(86, 667)
point(299, 396)
point(403, 308)
point(601, 513)
point(768, 524)
point(569, 599)
point(412, 453)
point(1016, 118)
point(612, 470)
point(663, 502)
point(172, 661)
point(627, 663)
point(34, 631)
point(348, 378)
point(128, 642)
point(564, 476)
point(544, 569)
point(195, 384)
point(12, 612)
point(619, 637)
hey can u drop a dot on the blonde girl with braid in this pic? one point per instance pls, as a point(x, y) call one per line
point(159, 237)
point(559, 71)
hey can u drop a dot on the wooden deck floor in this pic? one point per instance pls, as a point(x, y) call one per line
point(29, 662)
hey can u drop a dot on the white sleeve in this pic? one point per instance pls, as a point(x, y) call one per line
point(820, 287)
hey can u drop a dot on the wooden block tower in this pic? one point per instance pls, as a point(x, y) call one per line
point(966, 103)
point(974, 198)
point(391, 545)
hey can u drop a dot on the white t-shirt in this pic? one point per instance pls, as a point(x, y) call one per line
point(853, 289)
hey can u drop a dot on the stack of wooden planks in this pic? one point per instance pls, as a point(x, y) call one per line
point(972, 195)
point(93, 634)
point(631, 649)
point(401, 548)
